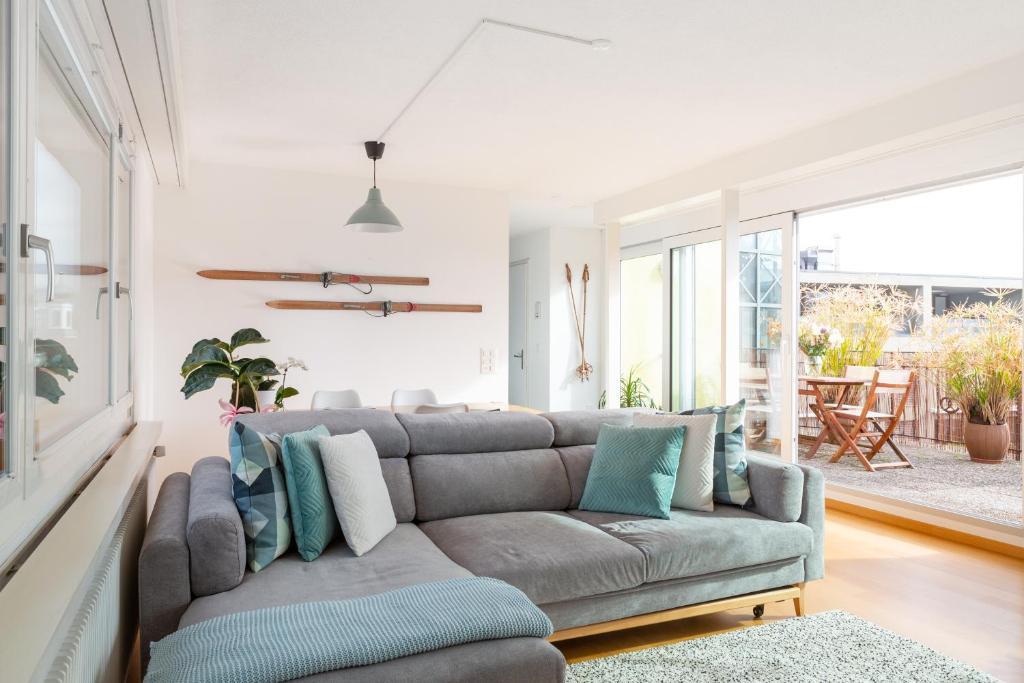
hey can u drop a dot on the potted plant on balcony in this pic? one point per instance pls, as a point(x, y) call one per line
point(975, 355)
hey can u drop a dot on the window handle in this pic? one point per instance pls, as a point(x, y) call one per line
point(41, 243)
point(121, 289)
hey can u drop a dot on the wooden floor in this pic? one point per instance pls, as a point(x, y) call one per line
point(964, 602)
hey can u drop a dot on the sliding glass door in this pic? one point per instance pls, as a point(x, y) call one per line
point(640, 356)
point(696, 321)
point(764, 319)
point(767, 309)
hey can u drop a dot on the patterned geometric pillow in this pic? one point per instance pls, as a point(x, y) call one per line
point(260, 494)
point(313, 520)
point(730, 453)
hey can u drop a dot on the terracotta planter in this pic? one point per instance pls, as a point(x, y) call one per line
point(987, 443)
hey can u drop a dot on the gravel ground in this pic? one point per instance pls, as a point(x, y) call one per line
point(940, 478)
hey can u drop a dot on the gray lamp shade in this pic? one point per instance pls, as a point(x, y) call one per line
point(373, 216)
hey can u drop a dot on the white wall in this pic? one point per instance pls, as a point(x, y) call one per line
point(243, 218)
point(551, 379)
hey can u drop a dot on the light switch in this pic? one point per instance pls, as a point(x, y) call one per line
point(487, 361)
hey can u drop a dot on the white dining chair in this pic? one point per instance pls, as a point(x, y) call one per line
point(336, 400)
point(443, 408)
point(412, 397)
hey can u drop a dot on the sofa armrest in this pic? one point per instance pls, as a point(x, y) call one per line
point(791, 493)
point(165, 590)
point(776, 487)
point(216, 540)
point(813, 515)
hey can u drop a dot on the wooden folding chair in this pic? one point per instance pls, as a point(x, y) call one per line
point(864, 426)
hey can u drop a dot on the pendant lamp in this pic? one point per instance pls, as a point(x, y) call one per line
point(374, 216)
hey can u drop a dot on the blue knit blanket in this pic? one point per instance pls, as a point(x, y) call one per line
point(284, 643)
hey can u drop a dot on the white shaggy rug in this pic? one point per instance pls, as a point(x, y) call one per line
point(828, 647)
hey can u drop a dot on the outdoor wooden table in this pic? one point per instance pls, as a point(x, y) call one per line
point(829, 425)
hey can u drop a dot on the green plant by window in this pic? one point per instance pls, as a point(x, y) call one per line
point(633, 392)
point(213, 359)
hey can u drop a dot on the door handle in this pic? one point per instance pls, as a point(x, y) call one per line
point(522, 359)
point(42, 244)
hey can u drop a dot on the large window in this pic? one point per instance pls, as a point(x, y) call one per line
point(72, 190)
point(65, 288)
point(641, 296)
point(927, 283)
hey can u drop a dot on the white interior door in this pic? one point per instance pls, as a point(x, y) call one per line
point(518, 393)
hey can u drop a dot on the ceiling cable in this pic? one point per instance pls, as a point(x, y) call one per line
point(596, 44)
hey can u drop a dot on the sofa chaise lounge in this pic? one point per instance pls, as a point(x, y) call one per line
point(489, 494)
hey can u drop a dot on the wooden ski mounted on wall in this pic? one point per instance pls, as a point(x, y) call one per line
point(384, 308)
point(326, 279)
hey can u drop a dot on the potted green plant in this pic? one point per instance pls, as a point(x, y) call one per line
point(633, 392)
point(974, 354)
point(213, 359)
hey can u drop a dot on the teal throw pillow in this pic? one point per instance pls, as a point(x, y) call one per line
point(730, 480)
point(313, 520)
point(634, 470)
point(260, 494)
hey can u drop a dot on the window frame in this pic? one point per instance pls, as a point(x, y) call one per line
point(37, 484)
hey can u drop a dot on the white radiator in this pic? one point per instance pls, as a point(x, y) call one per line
point(99, 632)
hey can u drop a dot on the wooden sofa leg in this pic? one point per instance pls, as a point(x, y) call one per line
point(799, 603)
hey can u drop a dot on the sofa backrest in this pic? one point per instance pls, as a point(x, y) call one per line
point(445, 465)
point(388, 436)
point(475, 432)
point(580, 427)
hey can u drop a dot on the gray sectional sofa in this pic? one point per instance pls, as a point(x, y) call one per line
point(488, 494)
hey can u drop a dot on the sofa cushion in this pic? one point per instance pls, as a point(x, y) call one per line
point(634, 470)
point(387, 434)
point(475, 432)
point(405, 557)
point(309, 502)
point(399, 481)
point(449, 485)
point(550, 556)
point(695, 543)
point(576, 460)
point(260, 493)
point(214, 531)
point(580, 427)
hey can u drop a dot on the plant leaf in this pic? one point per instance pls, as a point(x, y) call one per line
point(283, 393)
point(250, 369)
point(204, 354)
point(247, 336)
point(204, 378)
point(47, 386)
point(267, 385)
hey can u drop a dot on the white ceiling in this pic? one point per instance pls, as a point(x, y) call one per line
point(301, 84)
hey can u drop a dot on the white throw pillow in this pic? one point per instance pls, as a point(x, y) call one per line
point(695, 480)
point(356, 483)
